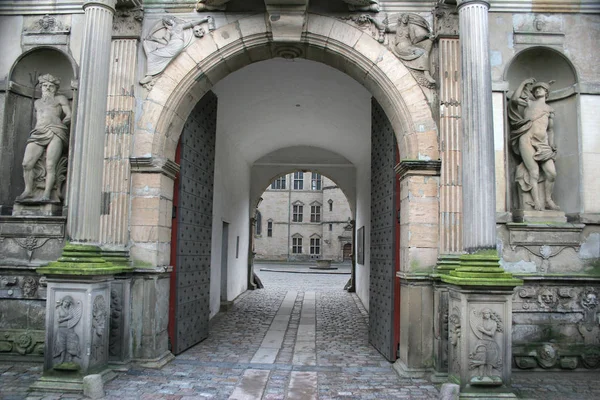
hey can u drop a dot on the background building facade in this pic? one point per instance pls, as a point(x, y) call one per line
point(303, 216)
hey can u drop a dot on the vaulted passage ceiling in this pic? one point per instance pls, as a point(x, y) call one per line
point(277, 104)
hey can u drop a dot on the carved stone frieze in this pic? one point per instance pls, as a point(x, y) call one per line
point(22, 342)
point(47, 24)
point(127, 23)
point(554, 298)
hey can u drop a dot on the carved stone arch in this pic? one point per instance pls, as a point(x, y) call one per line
point(18, 112)
point(327, 40)
point(546, 64)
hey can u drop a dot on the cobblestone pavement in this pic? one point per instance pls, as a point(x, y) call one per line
point(301, 337)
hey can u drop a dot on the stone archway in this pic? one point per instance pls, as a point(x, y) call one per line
point(231, 47)
point(240, 43)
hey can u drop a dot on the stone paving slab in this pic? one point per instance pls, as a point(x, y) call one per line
point(345, 365)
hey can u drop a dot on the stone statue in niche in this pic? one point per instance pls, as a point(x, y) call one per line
point(66, 343)
point(486, 354)
point(45, 161)
point(412, 44)
point(98, 327)
point(532, 139)
point(167, 39)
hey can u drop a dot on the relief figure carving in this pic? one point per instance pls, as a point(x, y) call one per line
point(116, 309)
point(486, 354)
point(66, 343)
point(44, 164)
point(532, 139)
point(167, 39)
point(454, 334)
point(412, 44)
point(589, 328)
point(98, 327)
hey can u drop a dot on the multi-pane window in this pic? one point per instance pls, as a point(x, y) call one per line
point(315, 181)
point(258, 223)
point(297, 211)
point(315, 246)
point(315, 213)
point(270, 228)
point(298, 180)
point(278, 183)
point(297, 245)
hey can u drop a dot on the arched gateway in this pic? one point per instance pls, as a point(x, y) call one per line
point(180, 91)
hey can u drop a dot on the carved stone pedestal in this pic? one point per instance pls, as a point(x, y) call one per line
point(77, 332)
point(35, 208)
point(479, 336)
point(479, 326)
point(539, 216)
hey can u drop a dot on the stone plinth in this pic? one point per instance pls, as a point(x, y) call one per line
point(77, 332)
point(479, 326)
point(479, 336)
point(539, 216)
point(37, 209)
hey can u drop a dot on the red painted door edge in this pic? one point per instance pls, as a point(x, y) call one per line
point(397, 261)
point(173, 259)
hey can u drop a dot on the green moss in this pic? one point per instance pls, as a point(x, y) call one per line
point(593, 267)
point(142, 264)
point(480, 269)
point(81, 260)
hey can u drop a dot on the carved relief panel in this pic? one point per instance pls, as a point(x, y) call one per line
point(556, 326)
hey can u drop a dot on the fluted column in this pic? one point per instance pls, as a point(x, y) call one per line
point(87, 153)
point(479, 192)
point(120, 116)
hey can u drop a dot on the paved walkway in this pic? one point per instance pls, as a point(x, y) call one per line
point(300, 338)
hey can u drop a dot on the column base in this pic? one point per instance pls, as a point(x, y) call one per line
point(405, 371)
point(66, 383)
point(155, 363)
point(81, 259)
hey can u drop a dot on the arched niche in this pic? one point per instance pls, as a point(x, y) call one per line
point(546, 64)
point(19, 116)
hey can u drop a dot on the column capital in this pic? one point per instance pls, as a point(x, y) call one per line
point(108, 4)
point(462, 3)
